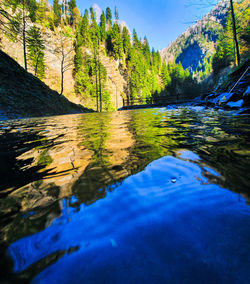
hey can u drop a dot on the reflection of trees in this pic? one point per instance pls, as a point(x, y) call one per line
point(20, 178)
point(107, 136)
point(90, 154)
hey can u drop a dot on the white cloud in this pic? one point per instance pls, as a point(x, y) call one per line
point(124, 24)
point(98, 11)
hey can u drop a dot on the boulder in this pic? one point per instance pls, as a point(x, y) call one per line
point(222, 98)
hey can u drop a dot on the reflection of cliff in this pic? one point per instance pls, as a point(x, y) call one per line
point(111, 143)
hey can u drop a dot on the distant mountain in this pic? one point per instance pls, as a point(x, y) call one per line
point(195, 47)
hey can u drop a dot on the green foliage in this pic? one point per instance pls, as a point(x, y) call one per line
point(41, 11)
point(103, 33)
point(136, 41)
point(94, 29)
point(141, 68)
point(32, 7)
point(126, 40)
point(146, 51)
point(72, 5)
point(83, 35)
point(35, 48)
point(225, 52)
point(109, 16)
point(116, 42)
point(57, 9)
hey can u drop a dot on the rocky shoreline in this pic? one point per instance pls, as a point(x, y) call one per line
point(233, 94)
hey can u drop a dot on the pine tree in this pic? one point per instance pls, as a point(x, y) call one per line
point(83, 34)
point(32, 7)
point(146, 50)
point(136, 41)
point(109, 17)
point(72, 7)
point(116, 14)
point(126, 40)
point(35, 48)
point(57, 12)
point(165, 75)
point(41, 11)
point(103, 33)
point(116, 39)
point(94, 29)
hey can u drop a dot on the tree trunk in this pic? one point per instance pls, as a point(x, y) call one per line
point(96, 81)
point(62, 74)
point(235, 34)
point(24, 38)
point(100, 79)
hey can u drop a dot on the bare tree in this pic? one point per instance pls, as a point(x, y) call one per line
point(64, 51)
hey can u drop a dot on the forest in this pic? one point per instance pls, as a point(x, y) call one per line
point(83, 41)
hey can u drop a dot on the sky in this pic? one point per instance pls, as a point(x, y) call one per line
point(161, 21)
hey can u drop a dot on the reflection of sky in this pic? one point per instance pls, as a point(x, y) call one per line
point(162, 225)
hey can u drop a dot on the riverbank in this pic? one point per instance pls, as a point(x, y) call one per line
point(23, 95)
point(233, 93)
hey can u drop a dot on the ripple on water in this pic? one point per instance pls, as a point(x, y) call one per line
point(149, 229)
point(145, 196)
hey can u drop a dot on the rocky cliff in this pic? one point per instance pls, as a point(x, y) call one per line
point(24, 95)
point(195, 47)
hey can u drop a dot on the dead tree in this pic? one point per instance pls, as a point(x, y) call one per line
point(64, 52)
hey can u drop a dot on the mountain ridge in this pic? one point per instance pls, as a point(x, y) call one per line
point(197, 44)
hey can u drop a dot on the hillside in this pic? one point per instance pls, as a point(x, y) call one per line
point(24, 95)
point(195, 47)
point(95, 63)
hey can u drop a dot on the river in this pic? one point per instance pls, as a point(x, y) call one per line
point(141, 196)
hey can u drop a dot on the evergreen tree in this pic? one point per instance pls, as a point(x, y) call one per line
point(83, 35)
point(116, 39)
point(57, 12)
point(72, 5)
point(146, 51)
point(41, 11)
point(32, 8)
point(109, 16)
point(94, 29)
point(116, 14)
point(165, 76)
point(35, 48)
point(126, 40)
point(136, 41)
point(103, 33)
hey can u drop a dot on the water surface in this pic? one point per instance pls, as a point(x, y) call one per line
point(144, 196)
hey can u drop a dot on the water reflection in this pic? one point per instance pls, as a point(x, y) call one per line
point(65, 188)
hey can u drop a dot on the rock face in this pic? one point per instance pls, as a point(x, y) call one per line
point(234, 93)
point(115, 83)
point(24, 95)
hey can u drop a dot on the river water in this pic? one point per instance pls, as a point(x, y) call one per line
point(141, 196)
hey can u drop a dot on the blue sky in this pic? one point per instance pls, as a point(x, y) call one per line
point(160, 20)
